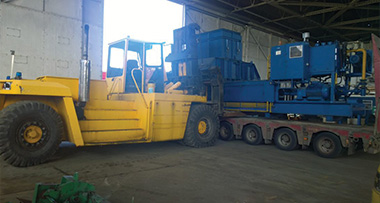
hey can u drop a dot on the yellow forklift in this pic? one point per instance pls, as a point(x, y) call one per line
point(133, 105)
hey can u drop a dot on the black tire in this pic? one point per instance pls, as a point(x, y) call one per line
point(226, 131)
point(195, 137)
point(30, 133)
point(285, 139)
point(252, 135)
point(327, 145)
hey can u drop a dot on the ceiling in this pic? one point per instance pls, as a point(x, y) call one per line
point(343, 20)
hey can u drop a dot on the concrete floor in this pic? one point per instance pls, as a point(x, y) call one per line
point(228, 172)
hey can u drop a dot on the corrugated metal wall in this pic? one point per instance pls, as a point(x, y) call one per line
point(46, 35)
point(256, 44)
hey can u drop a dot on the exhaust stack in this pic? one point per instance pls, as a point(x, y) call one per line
point(85, 70)
point(306, 36)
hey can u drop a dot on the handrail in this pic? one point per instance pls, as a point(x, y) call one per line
point(137, 87)
point(113, 87)
point(364, 64)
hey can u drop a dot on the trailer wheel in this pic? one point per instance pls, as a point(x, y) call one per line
point(30, 133)
point(327, 145)
point(226, 131)
point(202, 127)
point(252, 135)
point(285, 139)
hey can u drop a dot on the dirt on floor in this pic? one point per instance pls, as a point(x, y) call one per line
point(228, 172)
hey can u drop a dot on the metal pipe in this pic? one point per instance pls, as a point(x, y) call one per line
point(125, 59)
point(85, 66)
point(305, 36)
point(86, 29)
point(143, 69)
point(12, 61)
point(84, 80)
point(364, 63)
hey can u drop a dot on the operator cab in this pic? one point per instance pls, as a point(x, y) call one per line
point(132, 64)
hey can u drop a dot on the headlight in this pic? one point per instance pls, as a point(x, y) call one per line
point(7, 86)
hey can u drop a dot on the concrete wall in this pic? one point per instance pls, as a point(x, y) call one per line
point(46, 35)
point(256, 44)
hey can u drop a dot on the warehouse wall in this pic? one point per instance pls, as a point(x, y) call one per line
point(46, 35)
point(256, 44)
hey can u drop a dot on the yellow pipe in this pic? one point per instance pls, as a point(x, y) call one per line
point(364, 64)
point(168, 86)
point(175, 86)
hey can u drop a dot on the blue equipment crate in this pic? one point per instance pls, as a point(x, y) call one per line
point(231, 70)
point(290, 61)
point(220, 43)
point(324, 59)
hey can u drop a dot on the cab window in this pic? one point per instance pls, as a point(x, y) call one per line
point(153, 55)
point(115, 60)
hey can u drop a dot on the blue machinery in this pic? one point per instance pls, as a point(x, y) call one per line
point(304, 79)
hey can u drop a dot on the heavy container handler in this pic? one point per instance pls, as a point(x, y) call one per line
point(132, 106)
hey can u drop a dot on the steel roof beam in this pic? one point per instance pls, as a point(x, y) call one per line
point(333, 7)
point(360, 20)
point(357, 28)
point(253, 5)
point(316, 4)
point(259, 16)
point(340, 12)
point(348, 34)
point(203, 7)
point(356, 4)
point(348, 22)
point(276, 5)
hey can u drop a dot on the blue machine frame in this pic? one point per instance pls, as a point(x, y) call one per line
point(304, 79)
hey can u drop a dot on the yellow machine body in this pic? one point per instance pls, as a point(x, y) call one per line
point(132, 105)
point(110, 118)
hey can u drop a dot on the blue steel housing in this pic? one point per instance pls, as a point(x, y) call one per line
point(310, 80)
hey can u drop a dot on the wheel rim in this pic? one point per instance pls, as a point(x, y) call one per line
point(284, 139)
point(224, 132)
point(326, 145)
point(251, 135)
point(32, 134)
point(202, 126)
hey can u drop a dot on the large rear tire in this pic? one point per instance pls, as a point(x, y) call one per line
point(30, 133)
point(327, 145)
point(202, 127)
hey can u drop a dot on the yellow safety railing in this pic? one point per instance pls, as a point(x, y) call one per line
point(267, 105)
point(137, 87)
point(114, 84)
